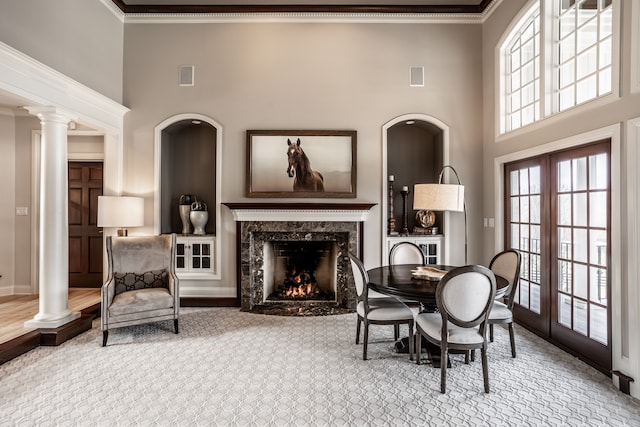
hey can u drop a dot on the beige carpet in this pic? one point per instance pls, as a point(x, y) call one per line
point(232, 368)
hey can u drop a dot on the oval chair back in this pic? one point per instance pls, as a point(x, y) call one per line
point(406, 253)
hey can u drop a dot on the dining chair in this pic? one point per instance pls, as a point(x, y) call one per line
point(464, 298)
point(387, 311)
point(507, 265)
point(406, 253)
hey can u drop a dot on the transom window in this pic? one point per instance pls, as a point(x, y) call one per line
point(573, 66)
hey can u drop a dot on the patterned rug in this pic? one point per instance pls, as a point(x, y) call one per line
point(228, 367)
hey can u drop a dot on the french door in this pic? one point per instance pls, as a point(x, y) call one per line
point(558, 217)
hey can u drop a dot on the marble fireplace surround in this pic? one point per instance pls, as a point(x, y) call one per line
point(257, 223)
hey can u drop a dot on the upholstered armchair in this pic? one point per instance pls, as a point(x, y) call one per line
point(142, 286)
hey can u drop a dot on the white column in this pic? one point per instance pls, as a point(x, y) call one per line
point(53, 264)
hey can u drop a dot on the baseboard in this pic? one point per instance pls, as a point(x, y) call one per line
point(209, 302)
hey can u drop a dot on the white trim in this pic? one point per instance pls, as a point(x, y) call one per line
point(635, 47)
point(36, 138)
point(157, 168)
point(617, 244)
point(300, 215)
point(385, 184)
point(628, 361)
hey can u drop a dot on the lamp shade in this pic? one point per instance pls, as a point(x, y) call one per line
point(438, 197)
point(120, 211)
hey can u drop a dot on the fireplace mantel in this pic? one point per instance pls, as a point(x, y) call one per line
point(332, 212)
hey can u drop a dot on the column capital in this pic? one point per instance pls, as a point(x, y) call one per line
point(51, 114)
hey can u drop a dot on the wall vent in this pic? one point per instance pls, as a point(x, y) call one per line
point(186, 75)
point(416, 76)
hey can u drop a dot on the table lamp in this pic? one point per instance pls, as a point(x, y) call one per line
point(442, 197)
point(121, 212)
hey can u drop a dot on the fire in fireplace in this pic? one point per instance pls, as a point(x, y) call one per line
point(302, 270)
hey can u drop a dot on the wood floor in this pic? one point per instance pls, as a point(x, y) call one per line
point(15, 310)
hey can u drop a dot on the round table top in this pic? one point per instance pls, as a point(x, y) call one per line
point(398, 281)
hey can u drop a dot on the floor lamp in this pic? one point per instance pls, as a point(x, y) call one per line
point(120, 212)
point(442, 197)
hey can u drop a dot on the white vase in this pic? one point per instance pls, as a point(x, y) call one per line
point(199, 220)
point(184, 217)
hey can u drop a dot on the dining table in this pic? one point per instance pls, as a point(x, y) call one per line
point(399, 280)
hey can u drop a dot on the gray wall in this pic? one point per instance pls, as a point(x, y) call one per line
point(79, 38)
point(303, 76)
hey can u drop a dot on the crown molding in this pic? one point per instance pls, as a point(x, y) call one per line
point(393, 14)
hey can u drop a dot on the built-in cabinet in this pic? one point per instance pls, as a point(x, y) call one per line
point(432, 246)
point(194, 256)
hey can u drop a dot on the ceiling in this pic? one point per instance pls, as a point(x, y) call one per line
point(283, 6)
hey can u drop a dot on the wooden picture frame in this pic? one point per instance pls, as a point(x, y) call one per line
point(329, 170)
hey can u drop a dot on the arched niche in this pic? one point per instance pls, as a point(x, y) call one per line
point(187, 161)
point(415, 147)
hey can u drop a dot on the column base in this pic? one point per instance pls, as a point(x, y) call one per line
point(51, 323)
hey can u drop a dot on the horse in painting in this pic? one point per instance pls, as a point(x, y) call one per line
point(306, 179)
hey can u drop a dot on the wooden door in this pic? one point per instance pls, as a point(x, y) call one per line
point(85, 238)
point(557, 208)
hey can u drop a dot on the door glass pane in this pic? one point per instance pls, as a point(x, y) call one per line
point(515, 209)
point(564, 209)
point(524, 237)
point(564, 310)
point(565, 243)
point(534, 298)
point(534, 180)
point(598, 209)
point(515, 236)
point(534, 276)
point(580, 280)
point(580, 316)
point(524, 293)
point(534, 209)
point(580, 247)
point(564, 276)
point(524, 209)
point(524, 181)
point(598, 247)
point(535, 239)
point(598, 324)
point(580, 209)
point(598, 281)
point(580, 174)
point(513, 178)
point(564, 176)
point(196, 248)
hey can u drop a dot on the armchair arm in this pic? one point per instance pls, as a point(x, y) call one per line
point(174, 288)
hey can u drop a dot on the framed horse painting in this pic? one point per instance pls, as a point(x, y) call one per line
point(301, 163)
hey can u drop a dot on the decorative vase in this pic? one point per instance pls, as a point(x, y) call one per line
point(199, 216)
point(185, 207)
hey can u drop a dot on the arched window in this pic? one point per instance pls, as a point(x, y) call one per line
point(522, 72)
point(557, 55)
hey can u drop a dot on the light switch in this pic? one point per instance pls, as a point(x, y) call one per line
point(22, 211)
point(492, 222)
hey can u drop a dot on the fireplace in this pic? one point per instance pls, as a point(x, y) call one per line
point(297, 271)
point(301, 249)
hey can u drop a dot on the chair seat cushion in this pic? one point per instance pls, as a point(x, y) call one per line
point(431, 324)
point(140, 300)
point(386, 311)
point(500, 312)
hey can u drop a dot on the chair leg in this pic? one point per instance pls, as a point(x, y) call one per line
point(366, 341)
point(466, 357)
point(418, 349)
point(411, 342)
point(105, 336)
point(491, 332)
point(175, 325)
point(396, 332)
point(485, 369)
point(512, 338)
point(473, 355)
point(443, 368)
point(358, 325)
